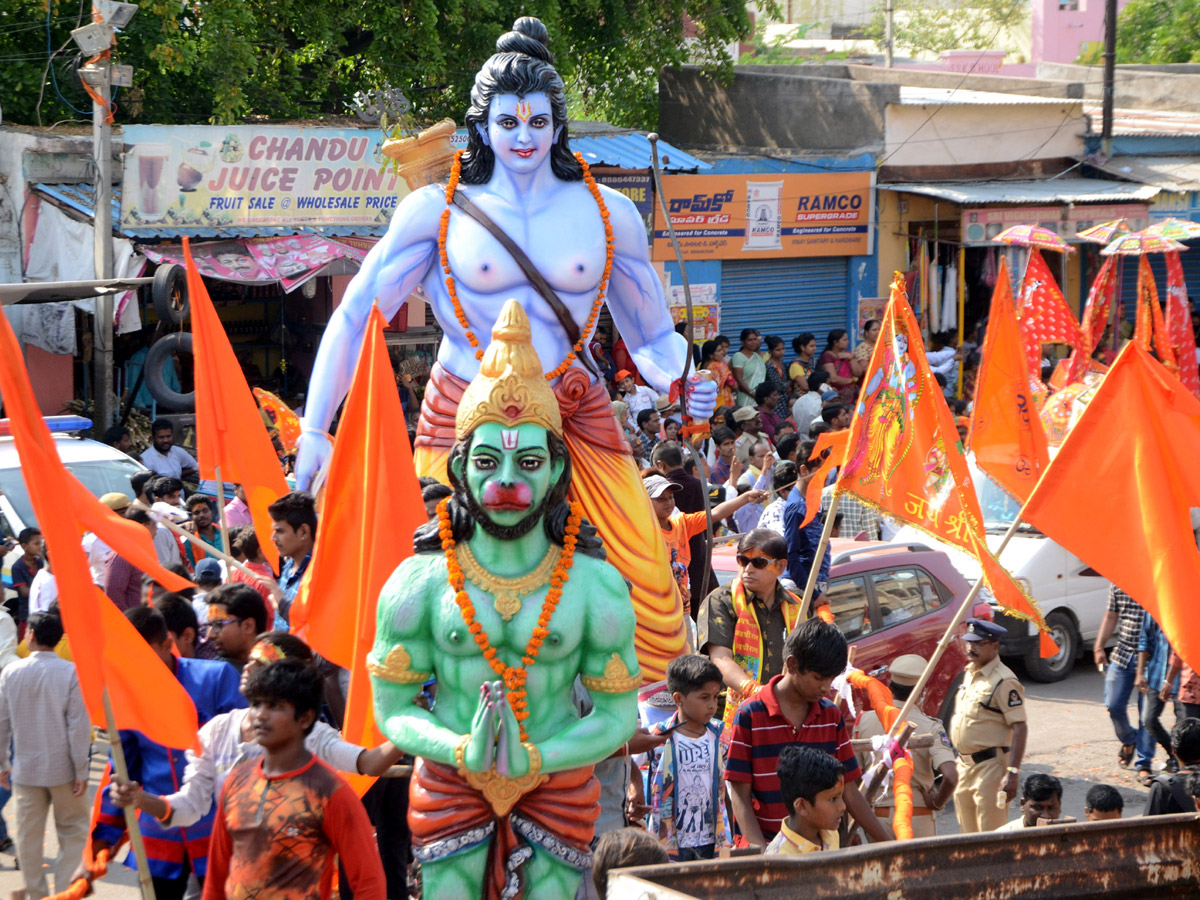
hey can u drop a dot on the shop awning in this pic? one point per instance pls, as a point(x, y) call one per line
point(1031, 193)
point(1176, 174)
point(82, 199)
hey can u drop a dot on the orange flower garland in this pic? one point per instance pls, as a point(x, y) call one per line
point(609, 252)
point(514, 676)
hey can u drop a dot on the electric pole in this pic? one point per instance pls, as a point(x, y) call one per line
point(889, 32)
point(1110, 60)
point(98, 76)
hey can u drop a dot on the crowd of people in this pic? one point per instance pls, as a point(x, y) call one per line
point(745, 744)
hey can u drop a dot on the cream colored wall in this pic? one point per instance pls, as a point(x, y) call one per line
point(892, 233)
point(978, 133)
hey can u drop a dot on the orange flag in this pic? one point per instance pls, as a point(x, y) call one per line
point(1179, 324)
point(1133, 450)
point(1006, 431)
point(372, 506)
point(108, 651)
point(835, 441)
point(1095, 319)
point(904, 457)
point(1044, 315)
point(229, 429)
point(1150, 324)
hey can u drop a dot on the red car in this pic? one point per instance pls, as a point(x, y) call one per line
point(889, 600)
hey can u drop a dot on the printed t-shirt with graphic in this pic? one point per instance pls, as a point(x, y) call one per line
point(683, 527)
point(276, 836)
point(695, 758)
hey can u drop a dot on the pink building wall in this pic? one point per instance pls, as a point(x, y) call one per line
point(1062, 27)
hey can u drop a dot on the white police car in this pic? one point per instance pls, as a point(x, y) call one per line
point(101, 468)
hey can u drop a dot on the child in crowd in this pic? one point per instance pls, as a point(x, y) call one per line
point(1103, 802)
point(792, 708)
point(1041, 799)
point(687, 803)
point(622, 849)
point(1168, 792)
point(33, 546)
point(812, 786)
point(282, 818)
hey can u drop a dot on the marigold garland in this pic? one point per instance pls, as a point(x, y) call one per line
point(514, 676)
point(609, 252)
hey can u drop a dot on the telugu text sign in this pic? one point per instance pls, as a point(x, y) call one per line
point(767, 215)
point(212, 177)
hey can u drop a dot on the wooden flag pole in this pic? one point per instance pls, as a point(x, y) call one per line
point(131, 813)
point(207, 548)
point(951, 633)
point(815, 569)
point(221, 511)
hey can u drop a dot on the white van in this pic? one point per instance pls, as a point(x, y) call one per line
point(1070, 594)
point(101, 468)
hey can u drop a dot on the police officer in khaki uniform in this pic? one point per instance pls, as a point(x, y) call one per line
point(988, 730)
point(928, 762)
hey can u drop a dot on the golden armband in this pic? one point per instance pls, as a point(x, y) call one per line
point(616, 678)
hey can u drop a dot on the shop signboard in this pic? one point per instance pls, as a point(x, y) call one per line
point(1176, 206)
point(980, 226)
point(263, 175)
point(771, 215)
point(706, 309)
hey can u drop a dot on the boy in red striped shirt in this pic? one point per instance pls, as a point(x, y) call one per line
point(793, 709)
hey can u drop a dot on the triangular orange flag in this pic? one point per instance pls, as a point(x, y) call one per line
point(904, 457)
point(1150, 323)
point(372, 505)
point(1095, 319)
point(1044, 315)
point(835, 442)
point(1007, 437)
point(107, 650)
point(229, 428)
point(1179, 324)
point(1133, 449)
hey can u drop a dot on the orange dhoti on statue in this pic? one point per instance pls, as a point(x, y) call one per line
point(606, 483)
point(447, 816)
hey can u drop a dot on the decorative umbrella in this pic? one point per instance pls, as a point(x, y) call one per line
point(1175, 229)
point(1104, 232)
point(1033, 236)
point(1139, 243)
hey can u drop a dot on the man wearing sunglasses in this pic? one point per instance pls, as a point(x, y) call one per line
point(743, 624)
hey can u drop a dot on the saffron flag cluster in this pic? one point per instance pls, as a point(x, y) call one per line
point(110, 656)
point(1095, 318)
point(1007, 437)
point(372, 505)
point(1120, 493)
point(1180, 336)
point(232, 441)
point(904, 457)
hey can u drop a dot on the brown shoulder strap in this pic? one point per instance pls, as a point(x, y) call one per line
point(531, 272)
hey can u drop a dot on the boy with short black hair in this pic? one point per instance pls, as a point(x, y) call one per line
point(24, 570)
point(812, 785)
point(1041, 799)
point(793, 708)
point(687, 803)
point(1168, 792)
point(623, 849)
point(294, 533)
point(1103, 802)
point(283, 817)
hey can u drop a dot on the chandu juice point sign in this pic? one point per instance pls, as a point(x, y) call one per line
point(767, 215)
point(213, 176)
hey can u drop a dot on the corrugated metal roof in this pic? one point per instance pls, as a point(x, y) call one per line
point(631, 150)
point(1171, 173)
point(1146, 122)
point(911, 95)
point(1061, 190)
point(82, 199)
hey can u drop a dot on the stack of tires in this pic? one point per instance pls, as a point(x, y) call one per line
point(169, 293)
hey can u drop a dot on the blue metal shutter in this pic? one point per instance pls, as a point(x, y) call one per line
point(1191, 276)
point(784, 296)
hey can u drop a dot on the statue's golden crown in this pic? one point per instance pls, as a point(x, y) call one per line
point(511, 387)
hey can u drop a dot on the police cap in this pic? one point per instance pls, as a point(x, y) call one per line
point(982, 630)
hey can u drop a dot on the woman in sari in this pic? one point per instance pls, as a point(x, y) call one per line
point(836, 361)
point(777, 375)
point(712, 358)
point(862, 353)
point(805, 363)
